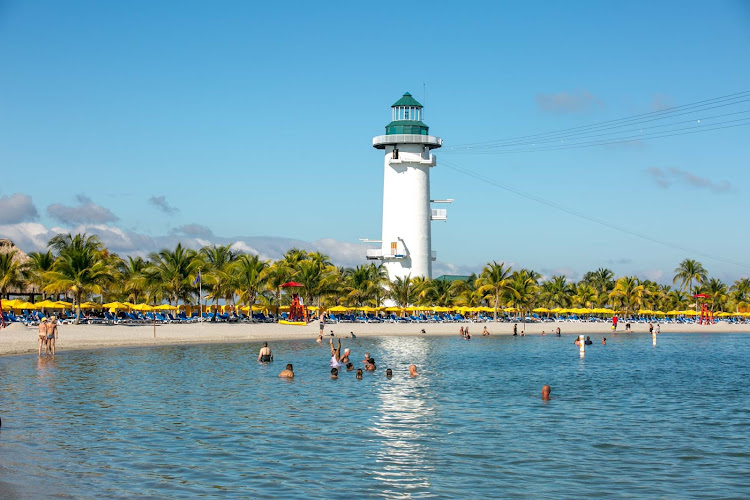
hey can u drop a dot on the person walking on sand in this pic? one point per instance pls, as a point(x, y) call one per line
point(43, 336)
point(614, 323)
point(515, 329)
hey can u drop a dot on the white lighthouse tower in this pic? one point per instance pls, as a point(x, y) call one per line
point(406, 244)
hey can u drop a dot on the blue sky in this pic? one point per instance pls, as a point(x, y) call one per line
point(155, 122)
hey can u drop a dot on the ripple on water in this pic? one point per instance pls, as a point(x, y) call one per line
point(627, 420)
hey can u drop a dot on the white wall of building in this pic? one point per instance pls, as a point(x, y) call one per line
point(406, 210)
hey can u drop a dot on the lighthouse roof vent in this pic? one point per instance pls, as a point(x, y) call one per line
point(407, 100)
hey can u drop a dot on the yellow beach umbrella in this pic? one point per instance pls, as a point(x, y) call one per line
point(48, 304)
point(689, 312)
point(10, 304)
point(140, 307)
point(659, 313)
point(164, 307)
point(22, 305)
point(91, 305)
point(540, 310)
point(673, 313)
point(394, 309)
point(336, 309)
point(116, 305)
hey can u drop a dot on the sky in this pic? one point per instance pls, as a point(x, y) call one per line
point(251, 123)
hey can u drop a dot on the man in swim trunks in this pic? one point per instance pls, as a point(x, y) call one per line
point(265, 355)
point(545, 392)
point(335, 355)
point(485, 332)
point(322, 322)
point(334, 373)
point(413, 371)
point(51, 335)
point(288, 372)
point(515, 329)
point(43, 335)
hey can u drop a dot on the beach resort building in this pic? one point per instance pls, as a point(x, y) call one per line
point(406, 242)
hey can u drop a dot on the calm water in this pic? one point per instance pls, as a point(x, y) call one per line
point(627, 420)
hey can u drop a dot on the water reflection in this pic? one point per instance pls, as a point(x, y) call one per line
point(402, 456)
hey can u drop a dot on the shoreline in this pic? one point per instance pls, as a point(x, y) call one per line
point(17, 339)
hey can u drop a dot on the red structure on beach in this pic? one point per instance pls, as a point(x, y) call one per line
point(707, 316)
point(297, 310)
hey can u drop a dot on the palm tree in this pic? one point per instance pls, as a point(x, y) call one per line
point(436, 293)
point(249, 277)
point(741, 293)
point(557, 292)
point(585, 295)
point(219, 260)
point(402, 291)
point(134, 280)
point(318, 277)
point(521, 292)
point(277, 274)
point(173, 273)
point(688, 271)
point(602, 280)
point(81, 270)
point(39, 263)
point(494, 280)
point(717, 292)
point(628, 292)
point(362, 286)
point(11, 273)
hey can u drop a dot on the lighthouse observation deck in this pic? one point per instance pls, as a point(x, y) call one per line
point(381, 141)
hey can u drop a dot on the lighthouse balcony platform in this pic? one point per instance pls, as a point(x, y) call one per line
point(378, 254)
point(381, 141)
point(430, 161)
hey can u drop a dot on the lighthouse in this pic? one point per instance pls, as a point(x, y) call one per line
point(406, 243)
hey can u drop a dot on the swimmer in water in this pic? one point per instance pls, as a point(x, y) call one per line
point(545, 392)
point(265, 355)
point(288, 372)
point(485, 332)
point(388, 373)
point(345, 357)
point(658, 328)
point(544, 333)
point(320, 338)
point(359, 373)
point(604, 340)
point(367, 358)
point(588, 341)
point(370, 367)
point(349, 367)
point(413, 371)
point(335, 355)
point(334, 373)
point(557, 332)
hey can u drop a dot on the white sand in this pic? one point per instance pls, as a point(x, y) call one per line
point(18, 339)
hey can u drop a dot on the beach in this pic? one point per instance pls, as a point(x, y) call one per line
point(18, 339)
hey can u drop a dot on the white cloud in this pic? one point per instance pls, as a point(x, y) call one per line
point(17, 208)
point(194, 230)
point(160, 202)
point(86, 212)
point(666, 177)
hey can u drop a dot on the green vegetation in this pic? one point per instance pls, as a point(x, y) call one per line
point(81, 267)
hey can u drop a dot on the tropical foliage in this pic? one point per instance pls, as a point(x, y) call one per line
point(81, 268)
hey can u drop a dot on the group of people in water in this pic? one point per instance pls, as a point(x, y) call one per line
point(339, 361)
point(47, 335)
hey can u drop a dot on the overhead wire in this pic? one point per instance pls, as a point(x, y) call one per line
point(704, 105)
point(582, 215)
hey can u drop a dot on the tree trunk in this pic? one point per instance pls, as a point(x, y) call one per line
point(497, 298)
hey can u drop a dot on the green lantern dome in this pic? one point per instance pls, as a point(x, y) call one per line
point(407, 117)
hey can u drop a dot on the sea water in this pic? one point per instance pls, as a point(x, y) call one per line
point(628, 419)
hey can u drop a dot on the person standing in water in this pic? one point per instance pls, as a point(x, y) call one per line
point(265, 355)
point(546, 389)
point(288, 372)
point(413, 371)
point(51, 335)
point(515, 329)
point(335, 355)
point(485, 332)
point(43, 336)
